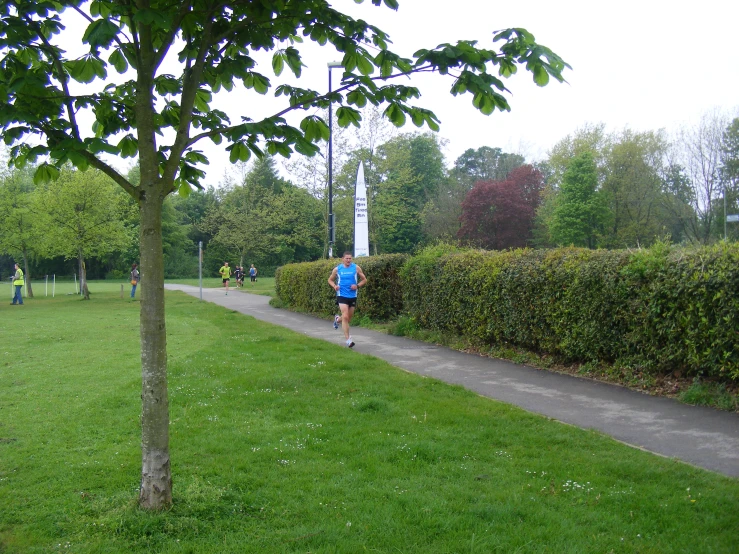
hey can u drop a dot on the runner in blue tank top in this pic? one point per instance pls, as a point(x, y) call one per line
point(344, 281)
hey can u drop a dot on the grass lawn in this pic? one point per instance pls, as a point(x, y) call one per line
point(282, 443)
point(264, 285)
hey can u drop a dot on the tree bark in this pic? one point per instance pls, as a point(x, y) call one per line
point(27, 276)
point(155, 492)
point(84, 291)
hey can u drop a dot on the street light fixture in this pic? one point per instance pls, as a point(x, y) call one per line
point(331, 228)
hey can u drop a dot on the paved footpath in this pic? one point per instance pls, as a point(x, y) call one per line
point(701, 436)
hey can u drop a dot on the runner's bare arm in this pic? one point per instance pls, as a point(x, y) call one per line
point(362, 278)
point(331, 280)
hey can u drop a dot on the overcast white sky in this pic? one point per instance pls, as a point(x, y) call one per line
point(645, 65)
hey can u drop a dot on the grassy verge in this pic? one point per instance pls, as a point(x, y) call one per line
point(281, 443)
point(264, 285)
point(703, 393)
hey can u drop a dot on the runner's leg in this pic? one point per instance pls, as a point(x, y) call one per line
point(346, 317)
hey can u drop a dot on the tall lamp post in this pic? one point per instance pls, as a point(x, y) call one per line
point(331, 228)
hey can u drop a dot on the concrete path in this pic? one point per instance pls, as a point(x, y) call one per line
point(700, 436)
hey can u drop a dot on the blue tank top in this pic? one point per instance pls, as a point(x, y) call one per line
point(345, 278)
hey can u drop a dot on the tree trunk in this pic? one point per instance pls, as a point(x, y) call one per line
point(84, 291)
point(27, 276)
point(156, 478)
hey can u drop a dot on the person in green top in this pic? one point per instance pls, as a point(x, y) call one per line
point(18, 282)
point(225, 272)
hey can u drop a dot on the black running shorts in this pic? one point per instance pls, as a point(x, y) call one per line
point(351, 302)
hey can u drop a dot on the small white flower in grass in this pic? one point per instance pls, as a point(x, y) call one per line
point(348, 524)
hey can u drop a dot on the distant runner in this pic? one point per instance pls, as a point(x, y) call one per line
point(135, 277)
point(18, 284)
point(225, 272)
point(253, 274)
point(344, 281)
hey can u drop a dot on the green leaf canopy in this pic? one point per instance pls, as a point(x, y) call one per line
point(214, 44)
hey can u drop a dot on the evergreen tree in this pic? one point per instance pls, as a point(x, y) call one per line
point(580, 211)
point(411, 171)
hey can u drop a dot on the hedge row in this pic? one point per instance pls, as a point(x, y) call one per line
point(558, 301)
point(657, 310)
point(304, 287)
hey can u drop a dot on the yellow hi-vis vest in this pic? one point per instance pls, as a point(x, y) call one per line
point(19, 275)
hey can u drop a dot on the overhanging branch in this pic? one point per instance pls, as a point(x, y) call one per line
point(124, 183)
point(304, 104)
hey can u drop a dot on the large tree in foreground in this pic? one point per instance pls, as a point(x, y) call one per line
point(172, 58)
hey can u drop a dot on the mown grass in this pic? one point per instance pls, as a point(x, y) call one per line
point(281, 443)
point(264, 285)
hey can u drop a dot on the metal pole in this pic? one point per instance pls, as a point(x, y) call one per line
point(331, 226)
point(200, 267)
point(330, 170)
point(726, 214)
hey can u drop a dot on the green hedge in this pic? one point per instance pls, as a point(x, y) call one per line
point(304, 287)
point(685, 309)
point(657, 310)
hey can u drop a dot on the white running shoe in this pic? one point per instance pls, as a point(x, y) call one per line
point(336, 322)
point(349, 343)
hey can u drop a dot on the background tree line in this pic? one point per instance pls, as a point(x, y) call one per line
point(594, 189)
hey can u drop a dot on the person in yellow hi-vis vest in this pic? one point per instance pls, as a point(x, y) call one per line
point(225, 272)
point(18, 282)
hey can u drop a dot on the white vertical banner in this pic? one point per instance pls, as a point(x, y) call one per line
point(361, 223)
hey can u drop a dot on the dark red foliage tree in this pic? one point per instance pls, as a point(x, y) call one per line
point(500, 214)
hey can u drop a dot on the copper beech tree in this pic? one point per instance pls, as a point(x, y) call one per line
point(500, 214)
point(160, 114)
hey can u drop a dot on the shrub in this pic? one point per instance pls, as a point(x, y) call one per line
point(657, 310)
point(685, 309)
point(653, 311)
point(304, 287)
